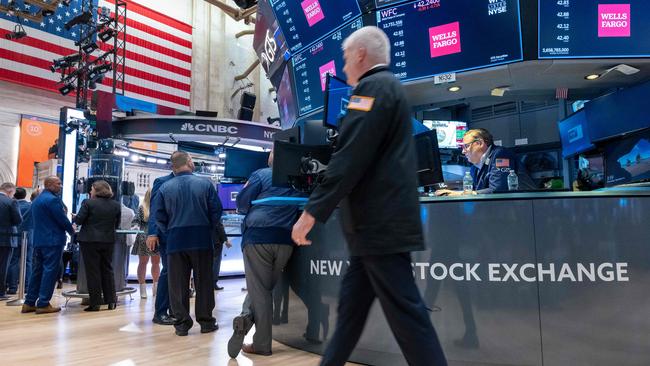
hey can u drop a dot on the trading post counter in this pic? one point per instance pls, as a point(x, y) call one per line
point(511, 279)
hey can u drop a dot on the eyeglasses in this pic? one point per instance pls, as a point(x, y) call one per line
point(465, 147)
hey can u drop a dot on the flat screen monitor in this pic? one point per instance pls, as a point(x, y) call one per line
point(241, 163)
point(594, 28)
point(433, 37)
point(428, 154)
point(337, 97)
point(286, 100)
point(313, 133)
point(228, 194)
point(288, 159)
point(450, 133)
point(197, 148)
point(574, 134)
point(305, 21)
point(627, 160)
point(311, 66)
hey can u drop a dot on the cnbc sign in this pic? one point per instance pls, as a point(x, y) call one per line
point(204, 127)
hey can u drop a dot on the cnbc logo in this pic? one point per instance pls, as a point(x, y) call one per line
point(203, 127)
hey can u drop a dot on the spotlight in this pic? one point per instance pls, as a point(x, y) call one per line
point(592, 76)
point(83, 18)
point(106, 35)
point(66, 89)
point(454, 89)
point(150, 160)
point(245, 4)
point(99, 71)
point(65, 62)
point(161, 161)
point(18, 33)
point(90, 48)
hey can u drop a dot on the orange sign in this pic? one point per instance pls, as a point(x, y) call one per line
point(37, 135)
point(144, 145)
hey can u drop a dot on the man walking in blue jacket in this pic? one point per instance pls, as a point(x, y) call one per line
point(187, 211)
point(267, 247)
point(49, 240)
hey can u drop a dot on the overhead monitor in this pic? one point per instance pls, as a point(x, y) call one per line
point(240, 163)
point(286, 100)
point(450, 133)
point(433, 37)
point(337, 97)
point(628, 160)
point(311, 66)
point(305, 21)
point(384, 3)
point(574, 134)
point(594, 28)
point(429, 165)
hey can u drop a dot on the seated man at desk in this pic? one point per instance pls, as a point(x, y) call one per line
point(491, 165)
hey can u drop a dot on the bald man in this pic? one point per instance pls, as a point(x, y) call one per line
point(50, 226)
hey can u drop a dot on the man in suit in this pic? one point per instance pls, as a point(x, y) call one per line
point(156, 239)
point(27, 226)
point(9, 218)
point(187, 211)
point(373, 168)
point(51, 224)
point(491, 165)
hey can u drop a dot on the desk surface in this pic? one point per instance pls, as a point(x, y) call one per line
point(612, 192)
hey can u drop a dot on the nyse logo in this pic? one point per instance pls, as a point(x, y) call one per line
point(497, 7)
point(270, 50)
point(202, 127)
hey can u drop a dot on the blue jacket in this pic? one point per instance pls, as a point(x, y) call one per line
point(9, 219)
point(265, 224)
point(25, 208)
point(493, 175)
point(50, 221)
point(187, 211)
point(152, 227)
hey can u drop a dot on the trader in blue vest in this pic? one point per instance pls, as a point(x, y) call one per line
point(491, 165)
point(155, 239)
point(50, 227)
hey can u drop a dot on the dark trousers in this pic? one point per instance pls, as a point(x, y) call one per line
point(13, 274)
point(97, 259)
point(162, 294)
point(390, 279)
point(216, 265)
point(5, 257)
point(45, 267)
point(181, 265)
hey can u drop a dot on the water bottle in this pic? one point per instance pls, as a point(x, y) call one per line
point(513, 181)
point(468, 183)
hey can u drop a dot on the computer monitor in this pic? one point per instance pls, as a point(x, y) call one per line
point(429, 165)
point(288, 163)
point(228, 194)
point(313, 133)
point(337, 96)
point(241, 163)
point(627, 160)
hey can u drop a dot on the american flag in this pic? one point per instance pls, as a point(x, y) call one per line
point(158, 62)
point(561, 93)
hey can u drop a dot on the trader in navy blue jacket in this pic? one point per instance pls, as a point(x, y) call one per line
point(187, 211)
point(267, 247)
point(9, 218)
point(155, 239)
point(491, 165)
point(50, 227)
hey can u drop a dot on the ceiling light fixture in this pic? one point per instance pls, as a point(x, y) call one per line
point(592, 76)
point(454, 89)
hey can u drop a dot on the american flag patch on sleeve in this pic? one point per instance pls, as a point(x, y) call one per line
point(361, 103)
point(502, 163)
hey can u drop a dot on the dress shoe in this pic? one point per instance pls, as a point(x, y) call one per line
point(164, 320)
point(248, 348)
point(92, 308)
point(112, 305)
point(209, 329)
point(48, 309)
point(27, 309)
point(240, 326)
point(181, 332)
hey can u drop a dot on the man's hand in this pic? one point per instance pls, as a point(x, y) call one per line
point(448, 192)
point(152, 242)
point(302, 228)
point(228, 244)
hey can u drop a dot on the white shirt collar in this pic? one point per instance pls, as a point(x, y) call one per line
point(484, 160)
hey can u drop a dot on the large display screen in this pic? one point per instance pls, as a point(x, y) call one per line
point(305, 21)
point(311, 66)
point(430, 37)
point(628, 160)
point(594, 28)
point(286, 101)
point(450, 133)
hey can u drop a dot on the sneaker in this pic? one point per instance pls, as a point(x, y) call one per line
point(48, 309)
point(240, 325)
point(164, 320)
